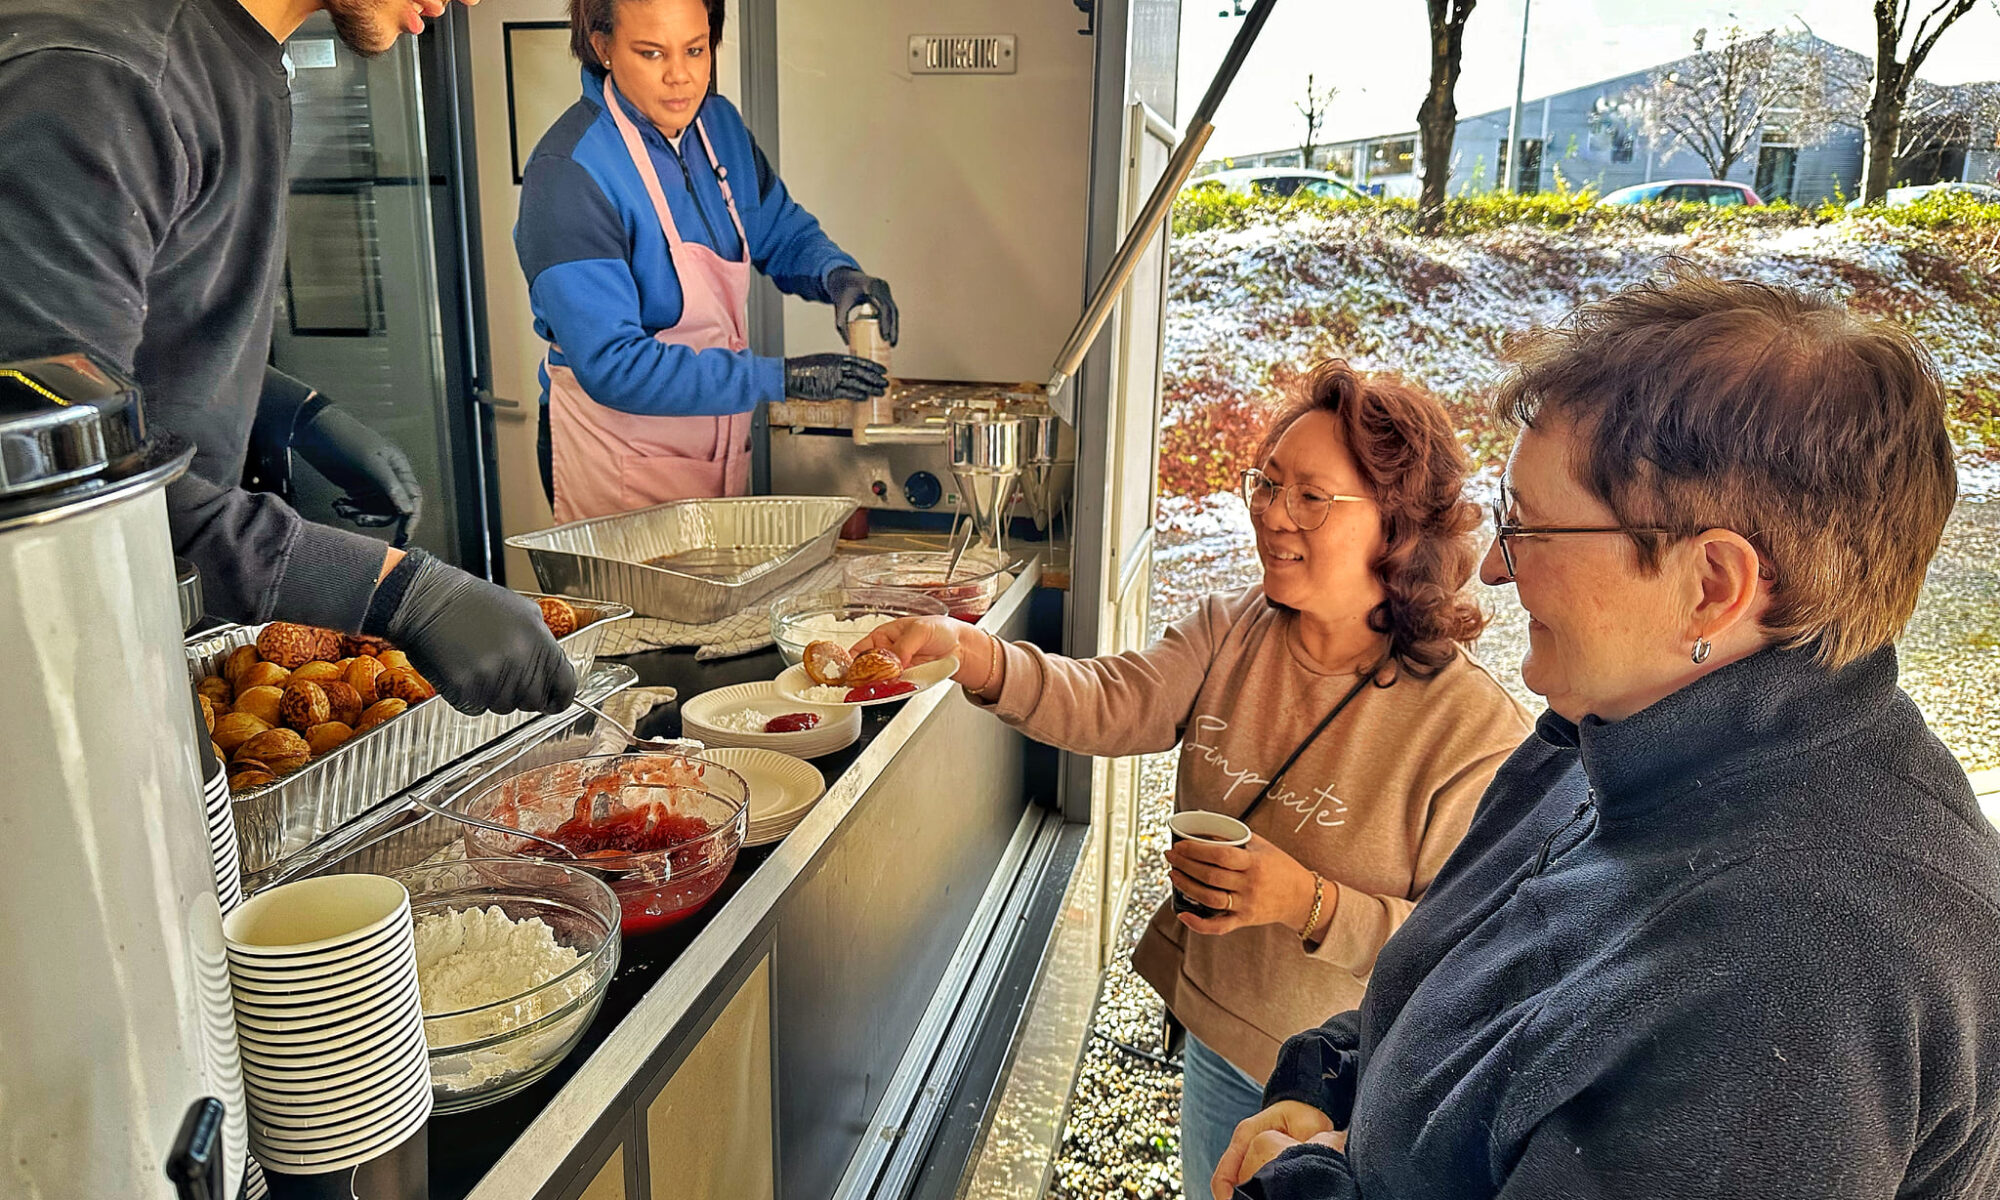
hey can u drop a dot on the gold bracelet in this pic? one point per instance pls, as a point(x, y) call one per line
point(992, 665)
point(1312, 918)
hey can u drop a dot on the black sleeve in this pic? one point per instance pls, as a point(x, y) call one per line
point(1318, 1068)
point(94, 177)
point(260, 560)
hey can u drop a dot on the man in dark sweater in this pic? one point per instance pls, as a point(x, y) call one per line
point(1725, 927)
point(143, 144)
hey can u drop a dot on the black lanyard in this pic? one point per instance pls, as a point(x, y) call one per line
point(1367, 677)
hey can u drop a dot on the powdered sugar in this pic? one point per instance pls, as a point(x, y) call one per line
point(743, 720)
point(471, 958)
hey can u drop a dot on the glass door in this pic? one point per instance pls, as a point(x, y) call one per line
point(366, 312)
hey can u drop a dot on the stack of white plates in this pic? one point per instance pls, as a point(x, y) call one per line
point(222, 841)
point(783, 790)
point(702, 718)
point(324, 977)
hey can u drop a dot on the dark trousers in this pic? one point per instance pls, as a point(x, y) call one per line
point(545, 457)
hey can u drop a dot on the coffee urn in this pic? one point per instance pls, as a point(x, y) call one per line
point(118, 1061)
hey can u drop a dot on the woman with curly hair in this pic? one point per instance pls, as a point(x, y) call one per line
point(1332, 707)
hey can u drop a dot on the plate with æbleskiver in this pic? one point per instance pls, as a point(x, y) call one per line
point(830, 676)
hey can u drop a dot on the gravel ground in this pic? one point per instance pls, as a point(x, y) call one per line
point(1123, 1132)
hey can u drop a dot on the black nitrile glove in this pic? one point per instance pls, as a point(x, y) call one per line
point(834, 377)
point(381, 488)
point(482, 646)
point(849, 287)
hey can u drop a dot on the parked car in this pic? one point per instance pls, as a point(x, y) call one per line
point(1897, 197)
point(1718, 193)
point(1280, 182)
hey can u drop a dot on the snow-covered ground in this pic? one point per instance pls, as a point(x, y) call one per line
point(1249, 306)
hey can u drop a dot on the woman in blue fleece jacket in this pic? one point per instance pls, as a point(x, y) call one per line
point(1725, 926)
point(643, 210)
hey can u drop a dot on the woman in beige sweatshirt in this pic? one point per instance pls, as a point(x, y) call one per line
point(1363, 534)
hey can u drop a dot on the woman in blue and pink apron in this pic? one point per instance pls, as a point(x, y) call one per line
point(643, 210)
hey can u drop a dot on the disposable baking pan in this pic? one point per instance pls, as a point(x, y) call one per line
point(282, 820)
point(692, 561)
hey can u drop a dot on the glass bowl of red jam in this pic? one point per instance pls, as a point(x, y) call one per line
point(662, 830)
point(973, 586)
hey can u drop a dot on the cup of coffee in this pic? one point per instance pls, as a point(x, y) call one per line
point(1213, 829)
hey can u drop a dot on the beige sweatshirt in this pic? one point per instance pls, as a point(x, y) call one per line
point(1375, 805)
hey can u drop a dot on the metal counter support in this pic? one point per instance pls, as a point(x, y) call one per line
point(864, 914)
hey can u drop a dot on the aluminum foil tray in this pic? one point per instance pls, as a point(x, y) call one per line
point(721, 555)
point(396, 834)
point(283, 820)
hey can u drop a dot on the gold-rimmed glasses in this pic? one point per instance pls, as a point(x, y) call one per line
point(1307, 506)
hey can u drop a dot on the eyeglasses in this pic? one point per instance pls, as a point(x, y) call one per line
point(1306, 507)
point(1504, 531)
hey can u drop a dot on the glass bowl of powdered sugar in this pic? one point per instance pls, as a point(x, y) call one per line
point(513, 956)
point(842, 615)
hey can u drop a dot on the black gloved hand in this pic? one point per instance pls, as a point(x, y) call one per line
point(481, 645)
point(380, 485)
point(849, 287)
point(834, 377)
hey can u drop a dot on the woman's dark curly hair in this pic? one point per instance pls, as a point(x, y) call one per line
point(1405, 446)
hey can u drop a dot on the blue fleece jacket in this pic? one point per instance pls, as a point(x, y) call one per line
point(1739, 946)
point(601, 281)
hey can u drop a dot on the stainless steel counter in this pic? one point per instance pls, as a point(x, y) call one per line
point(825, 964)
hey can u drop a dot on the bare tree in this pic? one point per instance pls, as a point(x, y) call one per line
point(1717, 101)
point(1314, 108)
point(1900, 51)
point(1437, 117)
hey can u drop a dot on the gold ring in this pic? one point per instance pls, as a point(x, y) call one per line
point(1229, 902)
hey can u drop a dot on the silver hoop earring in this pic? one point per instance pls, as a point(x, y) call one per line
point(1702, 646)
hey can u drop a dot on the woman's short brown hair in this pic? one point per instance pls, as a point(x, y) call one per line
point(1704, 403)
point(1404, 445)
point(587, 17)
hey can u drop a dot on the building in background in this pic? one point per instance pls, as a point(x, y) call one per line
point(1593, 136)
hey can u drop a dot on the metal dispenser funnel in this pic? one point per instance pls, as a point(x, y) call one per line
point(986, 463)
point(1045, 474)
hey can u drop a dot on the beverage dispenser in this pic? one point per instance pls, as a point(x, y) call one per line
point(118, 1059)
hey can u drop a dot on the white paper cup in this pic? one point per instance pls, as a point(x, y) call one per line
point(311, 1033)
point(323, 1056)
point(1214, 829)
point(336, 1154)
point(349, 1087)
point(313, 920)
point(322, 1131)
point(375, 962)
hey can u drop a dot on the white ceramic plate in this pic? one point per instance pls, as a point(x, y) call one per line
point(839, 727)
point(794, 683)
point(783, 790)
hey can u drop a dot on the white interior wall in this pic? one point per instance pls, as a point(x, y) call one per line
point(965, 192)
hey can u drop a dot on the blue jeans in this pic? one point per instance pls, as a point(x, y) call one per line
point(1215, 1097)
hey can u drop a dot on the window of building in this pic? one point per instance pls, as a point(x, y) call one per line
point(1395, 157)
point(1528, 168)
point(1622, 143)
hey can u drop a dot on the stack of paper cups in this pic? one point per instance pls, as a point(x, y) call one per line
point(324, 977)
point(222, 840)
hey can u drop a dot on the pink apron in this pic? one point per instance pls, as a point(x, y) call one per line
point(607, 461)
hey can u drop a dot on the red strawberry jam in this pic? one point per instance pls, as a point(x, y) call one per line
point(791, 723)
point(880, 691)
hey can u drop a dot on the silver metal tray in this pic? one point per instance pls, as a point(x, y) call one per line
point(395, 834)
point(724, 555)
point(290, 817)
